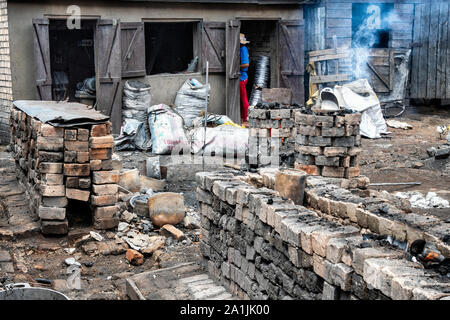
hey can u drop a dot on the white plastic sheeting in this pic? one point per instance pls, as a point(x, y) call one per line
point(166, 127)
point(225, 140)
point(190, 100)
point(359, 96)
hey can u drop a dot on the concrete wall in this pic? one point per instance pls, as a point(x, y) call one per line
point(164, 87)
point(5, 75)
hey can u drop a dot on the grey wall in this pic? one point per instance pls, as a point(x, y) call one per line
point(164, 87)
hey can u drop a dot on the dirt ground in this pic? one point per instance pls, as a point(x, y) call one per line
point(401, 157)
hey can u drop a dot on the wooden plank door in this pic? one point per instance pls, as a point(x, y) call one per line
point(108, 70)
point(43, 74)
point(232, 59)
point(380, 69)
point(430, 72)
point(213, 46)
point(291, 49)
point(132, 40)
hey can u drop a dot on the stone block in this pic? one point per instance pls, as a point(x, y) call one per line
point(48, 213)
point(72, 182)
point(48, 130)
point(100, 154)
point(320, 237)
point(106, 223)
point(54, 227)
point(106, 212)
point(105, 189)
point(105, 177)
point(360, 255)
point(104, 200)
point(83, 134)
point(50, 167)
point(53, 191)
point(335, 172)
point(70, 134)
point(77, 194)
point(101, 142)
point(59, 202)
point(291, 184)
point(78, 170)
point(52, 179)
point(82, 146)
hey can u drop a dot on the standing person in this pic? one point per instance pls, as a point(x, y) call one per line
point(244, 79)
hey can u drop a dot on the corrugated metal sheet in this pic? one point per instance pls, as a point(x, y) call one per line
point(60, 114)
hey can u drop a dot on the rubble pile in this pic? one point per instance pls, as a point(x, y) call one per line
point(272, 134)
point(262, 246)
point(328, 145)
point(60, 164)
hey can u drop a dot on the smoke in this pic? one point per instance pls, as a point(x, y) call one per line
point(373, 32)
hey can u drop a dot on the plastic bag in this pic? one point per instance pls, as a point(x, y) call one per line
point(190, 100)
point(166, 127)
point(225, 139)
point(359, 96)
point(133, 136)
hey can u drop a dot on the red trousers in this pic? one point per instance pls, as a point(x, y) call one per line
point(244, 100)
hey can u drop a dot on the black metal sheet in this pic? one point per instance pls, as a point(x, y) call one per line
point(61, 114)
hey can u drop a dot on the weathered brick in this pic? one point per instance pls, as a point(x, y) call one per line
point(104, 189)
point(100, 154)
point(83, 134)
point(335, 151)
point(49, 213)
point(100, 130)
point(81, 170)
point(50, 167)
point(72, 182)
point(309, 169)
point(77, 194)
point(54, 227)
point(82, 146)
point(70, 134)
point(52, 179)
point(104, 200)
point(101, 142)
point(105, 177)
point(335, 172)
point(48, 130)
point(53, 191)
point(49, 144)
point(82, 157)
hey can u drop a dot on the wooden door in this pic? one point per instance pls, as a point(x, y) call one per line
point(291, 50)
point(132, 40)
point(43, 74)
point(380, 69)
point(430, 67)
point(108, 70)
point(232, 59)
point(213, 46)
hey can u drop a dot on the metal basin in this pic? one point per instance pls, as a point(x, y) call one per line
point(25, 292)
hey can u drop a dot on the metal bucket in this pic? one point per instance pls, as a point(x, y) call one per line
point(23, 291)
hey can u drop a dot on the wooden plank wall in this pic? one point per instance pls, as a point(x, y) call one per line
point(430, 72)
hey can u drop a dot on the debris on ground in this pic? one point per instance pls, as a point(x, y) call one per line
point(398, 124)
point(419, 200)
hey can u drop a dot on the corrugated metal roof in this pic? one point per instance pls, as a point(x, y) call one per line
point(60, 114)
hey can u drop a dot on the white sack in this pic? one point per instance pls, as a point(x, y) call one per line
point(224, 139)
point(166, 128)
point(359, 96)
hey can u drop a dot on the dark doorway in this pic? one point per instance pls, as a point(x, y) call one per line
point(263, 37)
point(71, 57)
point(79, 213)
point(169, 46)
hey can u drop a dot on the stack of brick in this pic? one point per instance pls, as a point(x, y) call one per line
point(59, 164)
point(328, 145)
point(261, 246)
point(271, 136)
point(104, 179)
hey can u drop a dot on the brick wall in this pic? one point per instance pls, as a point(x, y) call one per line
point(5, 75)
